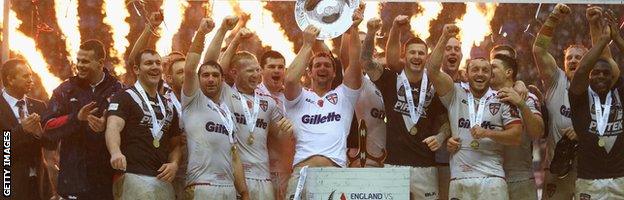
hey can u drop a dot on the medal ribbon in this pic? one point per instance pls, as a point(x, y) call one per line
point(475, 119)
point(414, 113)
point(250, 117)
point(602, 115)
point(226, 117)
point(156, 127)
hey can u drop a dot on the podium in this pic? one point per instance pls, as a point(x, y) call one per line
point(356, 183)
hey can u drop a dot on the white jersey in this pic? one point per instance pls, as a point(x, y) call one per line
point(280, 98)
point(518, 161)
point(254, 155)
point(558, 106)
point(487, 159)
point(321, 124)
point(209, 146)
point(370, 108)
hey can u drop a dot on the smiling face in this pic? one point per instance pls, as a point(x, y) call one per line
point(573, 56)
point(248, 75)
point(415, 56)
point(600, 77)
point(149, 71)
point(479, 73)
point(210, 80)
point(322, 71)
point(452, 55)
point(88, 66)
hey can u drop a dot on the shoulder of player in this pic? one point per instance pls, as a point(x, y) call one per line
point(267, 97)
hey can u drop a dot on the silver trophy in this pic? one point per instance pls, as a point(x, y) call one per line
point(331, 17)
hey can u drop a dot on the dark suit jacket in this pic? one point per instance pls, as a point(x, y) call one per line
point(25, 151)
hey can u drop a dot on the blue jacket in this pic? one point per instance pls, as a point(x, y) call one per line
point(84, 159)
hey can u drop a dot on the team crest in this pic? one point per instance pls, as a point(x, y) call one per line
point(264, 105)
point(332, 98)
point(494, 108)
point(320, 102)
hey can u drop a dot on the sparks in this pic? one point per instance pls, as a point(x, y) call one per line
point(173, 11)
point(474, 26)
point(116, 14)
point(420, 23)
point(67, 19)
point(27, 47)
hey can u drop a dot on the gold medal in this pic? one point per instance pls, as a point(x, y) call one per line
point(474, 144)
point(156, 143)
point(601, 142)
point(250, 139)
point(413, 130)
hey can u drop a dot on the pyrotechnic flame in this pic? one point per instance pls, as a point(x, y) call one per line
point(474, 26)
point(67, 19)
point(219, 10)
point(27, 47)
point(116, 14)
point(173, 11)
point(268, 30)
point(372, 10)
point(420, 22)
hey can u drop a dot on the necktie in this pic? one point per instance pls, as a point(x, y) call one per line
point(21, 109)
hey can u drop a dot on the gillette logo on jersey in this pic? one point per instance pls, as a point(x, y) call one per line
point(465, 123)
point(217, 128)
point(320, 119)
point(260, 123)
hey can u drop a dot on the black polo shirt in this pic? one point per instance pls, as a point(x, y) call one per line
point(404, 148)
point(594, 162)
point(136, 137)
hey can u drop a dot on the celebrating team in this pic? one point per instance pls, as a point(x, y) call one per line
point(229, 125)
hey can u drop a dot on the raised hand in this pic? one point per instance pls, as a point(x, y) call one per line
point(229, 22)
point(309, 35)
point(206, 25)
point(373, 25)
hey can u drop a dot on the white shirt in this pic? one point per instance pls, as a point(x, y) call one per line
point(13, 104)
point(321, 124)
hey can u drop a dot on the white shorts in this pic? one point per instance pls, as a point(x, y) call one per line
point(260, 189)
point(136, 186)
point(522, 190)
point(478, 188)
point(209, 192)
point(600, 189)
point(559, 189)
point(423, 181)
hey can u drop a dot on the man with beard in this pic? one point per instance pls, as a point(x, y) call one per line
point(518, 160)
point(214, 169)
point(256, 112)
point(476, 168)
point(321, 115)
point(143, 135)
point(76, 120)
point(173, 66)
point(411, 121)
point(20, 118)
point(369, 106)
point(556, 82)
point(597, 120)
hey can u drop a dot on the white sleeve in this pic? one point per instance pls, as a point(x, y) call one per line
point(448, 99)
point(188, 100)
point(290, 104)
point(351, 94)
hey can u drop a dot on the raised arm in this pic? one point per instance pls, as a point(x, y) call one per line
point(544, 61)
point(580, 82)
point(143, 40)
point(292, 81)
point(353, 72)
point(372, 68)
point(191, 82)
point(614, 28)
point(393, 47)
point(225, 60)
point(214, 49)
point(442, 82)
point(598, 23)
